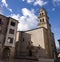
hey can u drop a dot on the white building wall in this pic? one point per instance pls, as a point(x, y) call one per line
point(11, 35)
point(36, 38)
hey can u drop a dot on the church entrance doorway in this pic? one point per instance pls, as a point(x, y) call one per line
point(30, 52)
point(6, 52)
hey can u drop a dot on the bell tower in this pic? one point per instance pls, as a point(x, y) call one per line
point(43, 19)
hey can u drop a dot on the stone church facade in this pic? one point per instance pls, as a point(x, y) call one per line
point(37, 42)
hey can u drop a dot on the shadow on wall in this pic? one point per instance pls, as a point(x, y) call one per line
point(6, 52)
point(25, 47)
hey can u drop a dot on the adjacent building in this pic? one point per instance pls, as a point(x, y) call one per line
point(8, 30)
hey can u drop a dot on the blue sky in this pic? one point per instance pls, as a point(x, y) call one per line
point(26, 11)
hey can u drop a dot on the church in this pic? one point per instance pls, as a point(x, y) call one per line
point(38, 42)
point(35, 43)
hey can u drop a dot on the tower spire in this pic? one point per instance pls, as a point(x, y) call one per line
point(43, 18)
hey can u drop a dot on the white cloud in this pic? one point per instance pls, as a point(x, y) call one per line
point(29, 1)
point(6, 5)
point(23, 0)
point(15, 16)
point(53, 9)
point(40, 2)
point(37, 2)
point(27, 21)
point(33, 11)
point(56, 2)
point(9, 9)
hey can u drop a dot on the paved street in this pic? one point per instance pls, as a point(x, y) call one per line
point(29, 60)
point(24, 60)
point(19, 60)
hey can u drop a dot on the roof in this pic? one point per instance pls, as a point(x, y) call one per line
point(42, 8)
point(8, 17)
point(32, 29)
point(2, 15)
point(13, 19)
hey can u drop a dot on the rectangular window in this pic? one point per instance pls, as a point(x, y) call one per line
point(0, 21)
point(0, 31)
point(11, 31)
point(40, 20)
point(10, 40)
point(23, 39)
point(13, 23)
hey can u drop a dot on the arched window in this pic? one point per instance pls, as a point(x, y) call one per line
point(42, 14)
point(42, 20)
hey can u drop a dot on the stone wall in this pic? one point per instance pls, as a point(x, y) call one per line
point(36, 39)
point(3, 30)
point(45, 60)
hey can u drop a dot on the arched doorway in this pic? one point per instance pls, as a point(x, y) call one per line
point(30, 52)
point(6, 52)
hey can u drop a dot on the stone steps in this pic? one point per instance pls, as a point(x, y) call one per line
point(26, 57)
